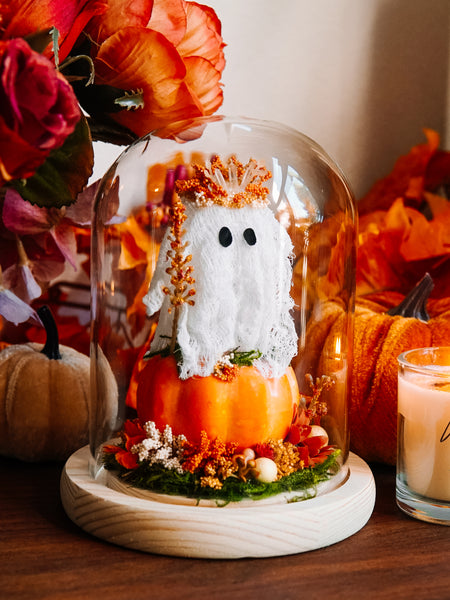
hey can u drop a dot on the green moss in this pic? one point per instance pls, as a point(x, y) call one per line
point(158, 479)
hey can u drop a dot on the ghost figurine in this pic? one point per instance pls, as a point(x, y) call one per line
point(240, 274)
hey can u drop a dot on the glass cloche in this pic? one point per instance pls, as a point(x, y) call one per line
point(223, 272)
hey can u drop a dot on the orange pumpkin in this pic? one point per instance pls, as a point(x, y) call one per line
point(247, 410)
point(378, 340)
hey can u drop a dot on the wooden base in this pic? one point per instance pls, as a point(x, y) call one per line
point(212, 532)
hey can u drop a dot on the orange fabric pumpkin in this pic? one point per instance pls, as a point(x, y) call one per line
point(378, 339)
point(247, 410)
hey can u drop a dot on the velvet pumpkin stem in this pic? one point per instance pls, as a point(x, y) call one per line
point(51, 347)
point(414, 304)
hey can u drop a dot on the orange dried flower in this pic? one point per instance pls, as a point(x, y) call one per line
point(196, 454)
point(229, 184)
point(179, 270)
point(210, 458)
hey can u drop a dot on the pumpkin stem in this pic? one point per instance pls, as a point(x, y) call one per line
point(51, 347)
point(414, 304)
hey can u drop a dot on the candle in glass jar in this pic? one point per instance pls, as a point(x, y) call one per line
point(424, 432)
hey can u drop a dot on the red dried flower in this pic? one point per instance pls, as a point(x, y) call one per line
point(264, 450)
point(132, 434)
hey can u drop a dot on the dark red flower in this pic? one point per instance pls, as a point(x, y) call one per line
point(304, 455)
point(264, 450)
point(38, 110)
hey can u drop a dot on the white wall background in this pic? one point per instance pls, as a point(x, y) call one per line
point(361, 77)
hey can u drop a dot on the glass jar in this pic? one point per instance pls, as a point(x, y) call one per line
point(310, 214)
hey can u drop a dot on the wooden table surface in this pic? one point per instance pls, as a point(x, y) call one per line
point(44, 555)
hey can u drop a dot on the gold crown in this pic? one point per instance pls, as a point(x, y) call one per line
point(232, 185)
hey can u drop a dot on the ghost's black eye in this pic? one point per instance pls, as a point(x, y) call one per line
point(225, 237)
point(250, 236)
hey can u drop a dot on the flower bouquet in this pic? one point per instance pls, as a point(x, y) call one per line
point(72, 73)
point(88, 70)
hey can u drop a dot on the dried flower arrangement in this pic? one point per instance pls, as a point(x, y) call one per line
point(157, 460)
point(219, 414)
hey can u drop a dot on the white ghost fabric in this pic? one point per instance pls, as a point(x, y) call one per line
point(243, 274)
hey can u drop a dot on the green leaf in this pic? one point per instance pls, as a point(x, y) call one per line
point(244, 359)
point(39, 40)
point(64, 174)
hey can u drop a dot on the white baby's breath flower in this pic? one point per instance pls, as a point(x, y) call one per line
point(167, 435)
point(174, 464)
point(140, 450)
point(151, 430)
point(160, 448)
point(162, 454)
point(151, 444)
point(178, 443)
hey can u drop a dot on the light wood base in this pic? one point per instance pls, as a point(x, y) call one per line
point(213, 532)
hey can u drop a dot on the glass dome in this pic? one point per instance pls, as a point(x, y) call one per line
point(227, 246)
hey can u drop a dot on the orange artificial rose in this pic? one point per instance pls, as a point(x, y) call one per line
point(169, 53)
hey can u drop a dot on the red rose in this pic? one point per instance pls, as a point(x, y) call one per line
point(38, 110)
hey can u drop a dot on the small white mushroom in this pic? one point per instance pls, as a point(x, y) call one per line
point(248, 454)
point(265, 469)
point(245, 463)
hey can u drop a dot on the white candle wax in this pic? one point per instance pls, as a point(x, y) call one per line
point(425, 413)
